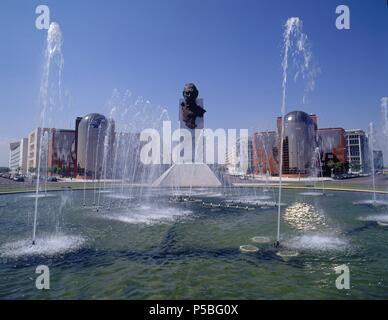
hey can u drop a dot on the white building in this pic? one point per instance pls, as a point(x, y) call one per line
point(357, 151)
point(18, 156)
point(33, 148)
point(239, 157)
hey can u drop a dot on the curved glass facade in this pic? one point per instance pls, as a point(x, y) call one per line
point(300, 141)
point(94, 146)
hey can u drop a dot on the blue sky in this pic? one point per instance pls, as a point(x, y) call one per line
point(230, 48)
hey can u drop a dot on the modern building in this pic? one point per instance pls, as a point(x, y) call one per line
point(77, 122)
point(18, 156)
point(58, 156)
point(265, 153)
point(62, 157)
point(300, 142)
point(95, 138)
point(239, 158)
point(357, 151)
point(333, 150)
point(14, 156)
point(299, 146)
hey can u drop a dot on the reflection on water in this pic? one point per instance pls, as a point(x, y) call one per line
point(304, 217)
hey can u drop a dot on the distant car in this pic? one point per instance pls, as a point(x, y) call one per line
point(52, 179)
point(18, 179)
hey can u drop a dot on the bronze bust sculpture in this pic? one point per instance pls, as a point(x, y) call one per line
point(190, 109)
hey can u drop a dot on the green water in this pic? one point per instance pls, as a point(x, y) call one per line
point(151, 248)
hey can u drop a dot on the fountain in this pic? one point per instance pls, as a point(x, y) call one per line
point(86, 167)
point(318, 242)
point(316, 173)
point(51, 240)
point(293, 38)
point(53, 58)
point(96, 168)
point(371, 149)
point(374, 202)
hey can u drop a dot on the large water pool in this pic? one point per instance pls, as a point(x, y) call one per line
point(148, 246)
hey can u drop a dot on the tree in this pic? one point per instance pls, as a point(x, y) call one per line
point(338, 166)
point(53, 170)
point(328, 168)
point(4, 169)
point(63, 171)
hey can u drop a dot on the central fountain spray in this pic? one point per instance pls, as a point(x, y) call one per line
point(293, 38)
point(371, 147)
point(53, 54)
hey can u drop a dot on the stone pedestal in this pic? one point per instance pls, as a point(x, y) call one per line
point(192, 172)
point(187, 175)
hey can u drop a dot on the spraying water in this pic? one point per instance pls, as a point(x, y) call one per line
point(104, 166)
point(371, 147)
point(53, 57)
point(384, 113)
point(374, 202)
point(267, 168)
point(384, 110)
point(96, 168)
point(321, 169)
point(125, 166)
point(86, 164)
point(294, 44)
point(316, 173)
